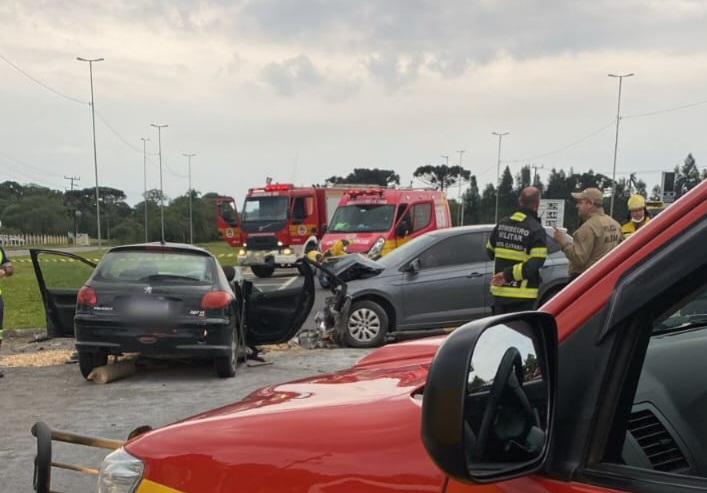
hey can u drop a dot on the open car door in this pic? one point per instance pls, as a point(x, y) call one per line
point(275, 316)
point(60, 275)
point(228, 221)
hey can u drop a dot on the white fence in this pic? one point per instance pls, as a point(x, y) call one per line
point(28, 240)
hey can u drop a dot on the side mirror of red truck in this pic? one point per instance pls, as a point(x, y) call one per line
point(487, 409)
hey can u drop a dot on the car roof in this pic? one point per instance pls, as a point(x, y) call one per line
point(156, 245)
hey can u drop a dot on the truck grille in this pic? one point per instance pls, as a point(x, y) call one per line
point(262, 242)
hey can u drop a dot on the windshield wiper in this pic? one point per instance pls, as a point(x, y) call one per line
point(684, 322)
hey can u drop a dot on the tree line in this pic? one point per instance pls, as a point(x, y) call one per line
point(34, 209)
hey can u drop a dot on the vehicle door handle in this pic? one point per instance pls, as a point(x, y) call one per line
point(475, 274)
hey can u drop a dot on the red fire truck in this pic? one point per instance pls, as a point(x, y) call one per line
point(280, 222)
point(378, 220)
point(228, 221)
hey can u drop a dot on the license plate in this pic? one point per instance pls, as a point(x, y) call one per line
point(148, 307)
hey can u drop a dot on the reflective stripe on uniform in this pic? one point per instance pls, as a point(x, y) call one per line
point(518, 216)
point(539, 252)
point(511, 292)
point(518, 272)
point(509, 254)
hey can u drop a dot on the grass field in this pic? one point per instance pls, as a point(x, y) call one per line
point(23, 301)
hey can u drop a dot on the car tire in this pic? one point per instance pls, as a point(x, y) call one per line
point(89, 361)
point(262, 270)
point(367, 325)
point(226, 365)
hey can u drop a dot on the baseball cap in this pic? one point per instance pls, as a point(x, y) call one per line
point(592, 194)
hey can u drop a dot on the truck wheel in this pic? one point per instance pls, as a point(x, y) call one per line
point(367, 325)
point(226, 365)
point(89, 361)
point(262, 270)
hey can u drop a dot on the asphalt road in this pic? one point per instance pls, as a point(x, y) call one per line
point(62, 398)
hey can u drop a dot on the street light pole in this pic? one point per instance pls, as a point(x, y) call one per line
point(144, 171)
point(95, 155)
point(616, 141)
point(159, 148)
point(461, 201)
point(191, 228)
point(498, 170)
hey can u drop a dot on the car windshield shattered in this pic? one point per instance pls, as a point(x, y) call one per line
point(147, 266)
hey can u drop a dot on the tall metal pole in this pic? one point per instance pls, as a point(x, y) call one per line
point(461, 201)
point(498, 170)
point(144, 172)
point(616, 141)
point(191, 228)
point(95, 155)
point(159, 147)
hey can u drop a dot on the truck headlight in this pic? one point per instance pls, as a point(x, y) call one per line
point(377, 247)
point(120, 473)
point(280, 244)
point(242, 252)
point(287, 251)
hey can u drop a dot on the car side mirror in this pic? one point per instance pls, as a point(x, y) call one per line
point(230, 272)
point(412, 267)
point(488, 404)
point(324, 228)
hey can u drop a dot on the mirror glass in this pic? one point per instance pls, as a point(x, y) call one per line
point(507, 399)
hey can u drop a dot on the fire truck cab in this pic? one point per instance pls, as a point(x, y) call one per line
point(280, 223)
point(377, 220)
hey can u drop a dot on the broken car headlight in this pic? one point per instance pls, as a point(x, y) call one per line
point(120, 473)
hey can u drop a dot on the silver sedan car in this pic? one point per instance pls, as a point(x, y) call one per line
point(437, 281)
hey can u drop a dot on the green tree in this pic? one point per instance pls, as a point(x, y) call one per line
point(472, 203)
point(687, 176)
point(441, 177)
point(367, 176)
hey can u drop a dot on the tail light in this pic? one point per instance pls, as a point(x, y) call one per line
point(216, 299)
point(87, 296)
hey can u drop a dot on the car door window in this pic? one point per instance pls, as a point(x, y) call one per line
point(659, 431)
point(421, 216)
point(457, 250)
point(62, 271)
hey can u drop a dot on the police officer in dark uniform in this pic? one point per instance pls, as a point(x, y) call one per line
point(518, 247)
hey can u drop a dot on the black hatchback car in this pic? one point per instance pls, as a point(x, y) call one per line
point(163, 300)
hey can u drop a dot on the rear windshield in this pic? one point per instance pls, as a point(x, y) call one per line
point(151, 266)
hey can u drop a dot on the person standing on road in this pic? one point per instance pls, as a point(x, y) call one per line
point(637, 215)
point(518, 248)
point(6, 270)
point(597, 235)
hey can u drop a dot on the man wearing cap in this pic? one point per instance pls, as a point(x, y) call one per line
point(597, 235)
point(637, 215)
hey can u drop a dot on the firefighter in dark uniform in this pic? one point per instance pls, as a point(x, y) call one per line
point(6, 270)
point(518, 247)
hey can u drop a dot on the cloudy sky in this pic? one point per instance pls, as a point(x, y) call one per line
point(300, 90)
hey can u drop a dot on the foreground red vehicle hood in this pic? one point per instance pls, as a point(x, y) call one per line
point(288, 437)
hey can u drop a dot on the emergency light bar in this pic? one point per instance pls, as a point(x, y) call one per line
point(370, 191)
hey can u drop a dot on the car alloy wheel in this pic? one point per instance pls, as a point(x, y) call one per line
point(367, 325)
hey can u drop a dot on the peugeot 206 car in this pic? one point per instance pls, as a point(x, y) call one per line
point(598, 392)
point(439, 280)
point(167, 300)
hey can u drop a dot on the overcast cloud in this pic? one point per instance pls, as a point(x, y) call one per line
point(301, 90)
